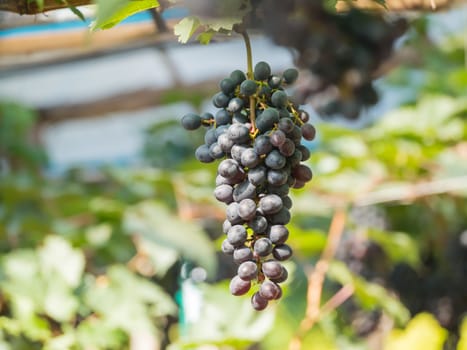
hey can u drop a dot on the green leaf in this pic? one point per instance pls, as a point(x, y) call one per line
point(399, 246)
point(153, 221)
point(462, 345)
point(423, 332)
point(205, 37)
point(186, 28)
point(78, 13)
point(231, 12)
point(213, 323)
point(128, 301)
point(112, 12)
point(369, 295)
point(58, 257)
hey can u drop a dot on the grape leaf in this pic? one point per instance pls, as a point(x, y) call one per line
point(155, 223)
point(186, 28)
point(112, 12)
point(229, 13)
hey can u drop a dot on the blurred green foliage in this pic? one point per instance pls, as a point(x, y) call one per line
point(91, 259)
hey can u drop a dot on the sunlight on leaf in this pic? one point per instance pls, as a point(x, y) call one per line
point(112, 12)
point(423, 332)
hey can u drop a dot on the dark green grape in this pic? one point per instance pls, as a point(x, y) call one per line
point(206, 118)
point(223, 117)
point(237, 77)
point(290, 75)
point(262, 71)
point(239, 117)
point(279, 99)
point(227, 85)
point(287, 202)
point(191, 121)
point(235, 105)
point(248, 87)
point(274, 82)
point(266, 120)
point(220, 100)
point(264, 91)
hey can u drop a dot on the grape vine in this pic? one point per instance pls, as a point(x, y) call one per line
point(256, 133)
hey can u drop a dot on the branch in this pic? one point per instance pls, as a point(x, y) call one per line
point(28, 7)
point(316, 280)
point(412, 192)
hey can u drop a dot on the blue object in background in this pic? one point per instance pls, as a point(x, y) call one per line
point(77, 24)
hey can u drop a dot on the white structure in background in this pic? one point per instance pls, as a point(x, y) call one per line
point(117, 137)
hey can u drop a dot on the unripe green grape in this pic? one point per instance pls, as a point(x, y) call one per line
point(262, 71)
point(290, 75)
point(191, 121)
point(248, 87)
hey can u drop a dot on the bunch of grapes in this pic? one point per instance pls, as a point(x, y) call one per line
point(341, 50)
point(256, 134)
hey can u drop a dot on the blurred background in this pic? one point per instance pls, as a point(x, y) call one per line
point(110, 234)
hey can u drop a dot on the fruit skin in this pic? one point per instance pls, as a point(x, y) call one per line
point(290, 75)
point(191, 121)
point(248, 87)
point(262, 71)
point(260, 158)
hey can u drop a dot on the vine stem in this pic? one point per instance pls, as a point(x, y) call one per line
point(249, 74)
point(249, 56)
